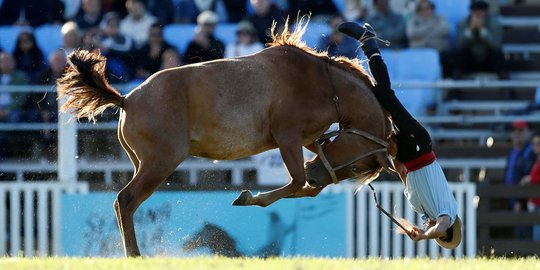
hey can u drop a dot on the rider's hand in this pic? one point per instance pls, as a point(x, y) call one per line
point(417, 234)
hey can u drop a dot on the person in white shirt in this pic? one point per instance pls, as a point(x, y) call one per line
point(137, 23)
point(247, 42)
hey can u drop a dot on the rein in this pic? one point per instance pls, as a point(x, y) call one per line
point(320, 141)
point(392, 218)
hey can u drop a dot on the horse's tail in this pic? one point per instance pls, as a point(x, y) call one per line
point(84, 83)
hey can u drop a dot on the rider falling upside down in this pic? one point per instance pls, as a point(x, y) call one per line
point(426, 187)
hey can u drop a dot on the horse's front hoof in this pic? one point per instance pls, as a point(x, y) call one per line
point(244, 198)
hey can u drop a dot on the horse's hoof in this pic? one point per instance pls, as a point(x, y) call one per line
point(244, 198)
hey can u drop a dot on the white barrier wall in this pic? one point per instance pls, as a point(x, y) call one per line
point(31, 220)
point(33, 212)
point(375, 233)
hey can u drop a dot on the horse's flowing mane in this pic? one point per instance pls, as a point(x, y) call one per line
point(294, 38)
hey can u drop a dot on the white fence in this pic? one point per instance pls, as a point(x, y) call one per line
point(30, 217)
point(375, 234)
point(30, 220)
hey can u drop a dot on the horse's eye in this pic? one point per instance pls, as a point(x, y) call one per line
point(355, 169)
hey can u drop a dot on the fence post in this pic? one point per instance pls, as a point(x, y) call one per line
point(67, 146)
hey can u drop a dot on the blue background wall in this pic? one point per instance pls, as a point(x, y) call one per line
point(306, 227)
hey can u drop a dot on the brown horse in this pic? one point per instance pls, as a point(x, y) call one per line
point(284, 97)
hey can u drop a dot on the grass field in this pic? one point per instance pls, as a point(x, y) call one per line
point(260, 264)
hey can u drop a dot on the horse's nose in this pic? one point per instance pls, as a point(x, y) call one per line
point(312, 182)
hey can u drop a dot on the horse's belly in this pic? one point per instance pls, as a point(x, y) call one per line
point(223, 144)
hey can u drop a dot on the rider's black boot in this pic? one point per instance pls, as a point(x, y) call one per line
point(363, 33)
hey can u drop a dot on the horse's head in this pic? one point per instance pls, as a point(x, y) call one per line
point(353, 154)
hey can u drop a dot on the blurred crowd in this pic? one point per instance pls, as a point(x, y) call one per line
point(131, 34)
point(523, 168)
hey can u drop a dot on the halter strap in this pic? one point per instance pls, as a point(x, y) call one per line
point(332, 170)
point(335, 97)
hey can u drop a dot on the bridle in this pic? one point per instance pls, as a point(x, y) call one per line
point(332, 169)
point(320, 141)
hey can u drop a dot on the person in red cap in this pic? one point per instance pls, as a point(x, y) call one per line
point(519, 163)
point(534, 179)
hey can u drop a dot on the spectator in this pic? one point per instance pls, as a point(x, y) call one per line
point(247, 42)
point(28, 56)
point(31, 12)
point(57, 63)
point(519, 163)
point(265, 13)
point(479, 42)
point(148, 58)
point(354, 11)
point(162, 10)
point(45, 106)
point(389, 25)
point(211, 5)
point(425, 29)
point(11, 103)
point(90, 15)
point(116, 47)
point(534, 179)
point(236, 9)
point(71, 37)
point(204, 46)
point(91, 39)
point(320, 10)
point(336, 43)
point(137, 23)
point(170, 59)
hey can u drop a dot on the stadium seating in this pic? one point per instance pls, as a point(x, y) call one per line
point(417, 65)
point(340, 5)
point(179, 35)
point(314, 32)
point(226, 32)
point(454, 11)
point(49, 38)
point(391, 58)
point(412, 65)
point(9, 36)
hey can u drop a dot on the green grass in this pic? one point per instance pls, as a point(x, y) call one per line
point(213, 263)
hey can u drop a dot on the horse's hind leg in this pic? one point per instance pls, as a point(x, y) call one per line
point(158, 158)
point(134, 161)
point(129, 151)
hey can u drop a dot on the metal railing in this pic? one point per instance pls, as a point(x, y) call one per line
point(30, 216)
point(236, 167)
